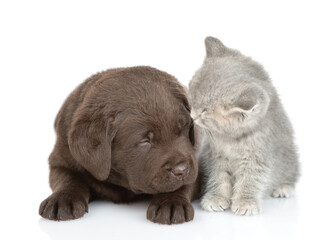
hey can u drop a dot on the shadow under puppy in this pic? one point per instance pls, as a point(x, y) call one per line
point(122, 135)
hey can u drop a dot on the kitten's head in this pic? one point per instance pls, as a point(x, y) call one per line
point(226, 93)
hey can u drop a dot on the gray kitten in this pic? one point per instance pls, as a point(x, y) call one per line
point(247, 150)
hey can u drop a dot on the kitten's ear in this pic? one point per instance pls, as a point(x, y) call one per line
point(214, 47)
point(252, 101)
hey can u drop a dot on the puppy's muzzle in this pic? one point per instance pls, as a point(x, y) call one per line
point(179, 171)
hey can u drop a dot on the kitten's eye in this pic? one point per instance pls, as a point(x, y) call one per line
point(204, 112)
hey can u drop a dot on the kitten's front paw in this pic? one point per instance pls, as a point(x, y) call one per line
point(283, 191)
point(214, 203)
point(245, 207)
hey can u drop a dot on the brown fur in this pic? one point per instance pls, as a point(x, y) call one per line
point(120, 136)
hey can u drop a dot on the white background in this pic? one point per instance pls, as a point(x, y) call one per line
point(48, 47)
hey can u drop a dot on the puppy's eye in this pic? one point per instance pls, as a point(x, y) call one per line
point(182, 123)
point(144, 142)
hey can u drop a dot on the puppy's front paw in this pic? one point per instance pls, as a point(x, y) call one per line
point(172, 209)
point(215, 203)
point(246, 207)
point(63, 206)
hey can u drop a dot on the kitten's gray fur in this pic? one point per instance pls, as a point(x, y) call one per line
point(247, 150)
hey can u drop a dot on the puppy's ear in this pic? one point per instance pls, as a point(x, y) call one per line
point(181, 94)
point(191, 134)
point(188, 108)
point(90, 139)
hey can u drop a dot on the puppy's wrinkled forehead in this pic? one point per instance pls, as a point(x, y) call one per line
point(163, 122)
point(153, 103)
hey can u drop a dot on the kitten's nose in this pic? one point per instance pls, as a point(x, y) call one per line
point(195, 116)
point(180, 171)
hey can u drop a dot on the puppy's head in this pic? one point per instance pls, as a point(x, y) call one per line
point(142, 130)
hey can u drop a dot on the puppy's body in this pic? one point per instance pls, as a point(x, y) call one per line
point(122, 135)
point(248, 152)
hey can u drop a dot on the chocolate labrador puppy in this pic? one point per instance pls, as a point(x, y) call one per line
point(124, 134)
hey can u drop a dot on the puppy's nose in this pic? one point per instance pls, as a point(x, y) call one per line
point(180, 171)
